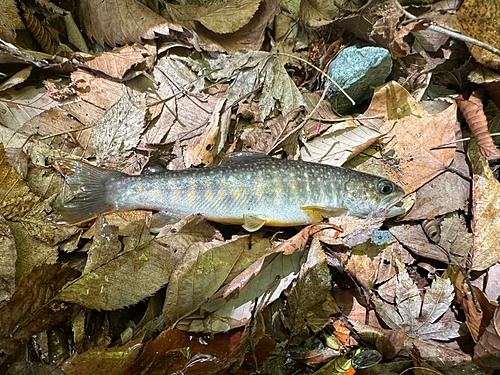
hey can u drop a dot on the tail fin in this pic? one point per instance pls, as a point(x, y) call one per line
point(89, 184)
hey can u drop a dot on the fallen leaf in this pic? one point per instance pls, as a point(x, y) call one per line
point(117, 131)
point(19, 106)
point(314, 281)
point(28, 313)
point(124, 63)
point(419, 319)
point(173, 351)
point(486, 213)
point(116, 22)
point(407, 127)
point(487, 349)
point(203, 270)
point(479, 19)
point(8, 257)
point(109, 361)
point(113, 278)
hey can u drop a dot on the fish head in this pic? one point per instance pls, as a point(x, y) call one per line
point(372, 196)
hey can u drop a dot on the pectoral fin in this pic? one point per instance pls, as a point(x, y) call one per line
point(318, 213)
point(253, 223)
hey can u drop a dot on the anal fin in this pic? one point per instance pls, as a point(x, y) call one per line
point(318, 213)
point(253, 223)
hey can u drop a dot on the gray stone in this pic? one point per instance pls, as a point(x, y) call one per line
point(357, 69)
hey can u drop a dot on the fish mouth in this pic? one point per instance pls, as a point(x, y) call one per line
point(393, 205)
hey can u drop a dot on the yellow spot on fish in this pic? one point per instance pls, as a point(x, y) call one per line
point(190, 195)
point(257, 192)
point(159, 191)
point(307, 188)
point(208, 195)
point(140, 189)
point(278, 190)
point(235, 194)
point(321, 192)
point(179, 191)
point(221, 194)
point(193, 187)
point(293, 187)
point(332, 185)
point(244, 191)
point(264, 184)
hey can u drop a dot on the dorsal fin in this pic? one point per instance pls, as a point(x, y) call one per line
point(243, 157)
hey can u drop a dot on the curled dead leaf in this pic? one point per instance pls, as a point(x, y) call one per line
point(472, 109)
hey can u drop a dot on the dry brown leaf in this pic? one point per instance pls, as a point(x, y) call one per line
point(9, 16)
point(478, 308)
point(472, 109)
point(8, 257)
point(487, 350)
point(486, 212)
point(118, 22)
point(124, 63)
point(204, 151)
point(412, 133)
point(480, 19)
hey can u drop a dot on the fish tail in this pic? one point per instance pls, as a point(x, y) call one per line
point(89, 183)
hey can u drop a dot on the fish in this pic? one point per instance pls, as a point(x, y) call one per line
point(249, 189)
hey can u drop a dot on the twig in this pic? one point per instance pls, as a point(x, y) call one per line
point(459, 140)
point(455, 35)
point(322, 73)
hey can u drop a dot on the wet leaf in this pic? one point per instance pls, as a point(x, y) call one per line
point(113, 278)
point(173, 351)
point(109, 361)
point(28, 313)
point(335, 147)
point(221, 17)
point(204, 268)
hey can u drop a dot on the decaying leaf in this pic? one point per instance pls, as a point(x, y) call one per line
point(487, 349)
point(480, 19)
point(8, 257)
point(485, 209)
point(113, 278)
point(28, 313)
point(419, 319)
point(109, 360)
point(117, 22)
point(472, 109)
point(117, 131)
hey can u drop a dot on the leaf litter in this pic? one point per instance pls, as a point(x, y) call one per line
point(182, 85)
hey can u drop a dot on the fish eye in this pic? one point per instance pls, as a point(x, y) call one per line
point(385, 186)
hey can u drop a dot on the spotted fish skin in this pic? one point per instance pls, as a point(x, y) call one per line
point(271, 191)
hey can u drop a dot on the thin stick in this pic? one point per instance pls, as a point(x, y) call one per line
point(322, 72)
point(459, 140)
point(455, 35)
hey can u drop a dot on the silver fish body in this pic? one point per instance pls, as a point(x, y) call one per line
point(250, 190)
